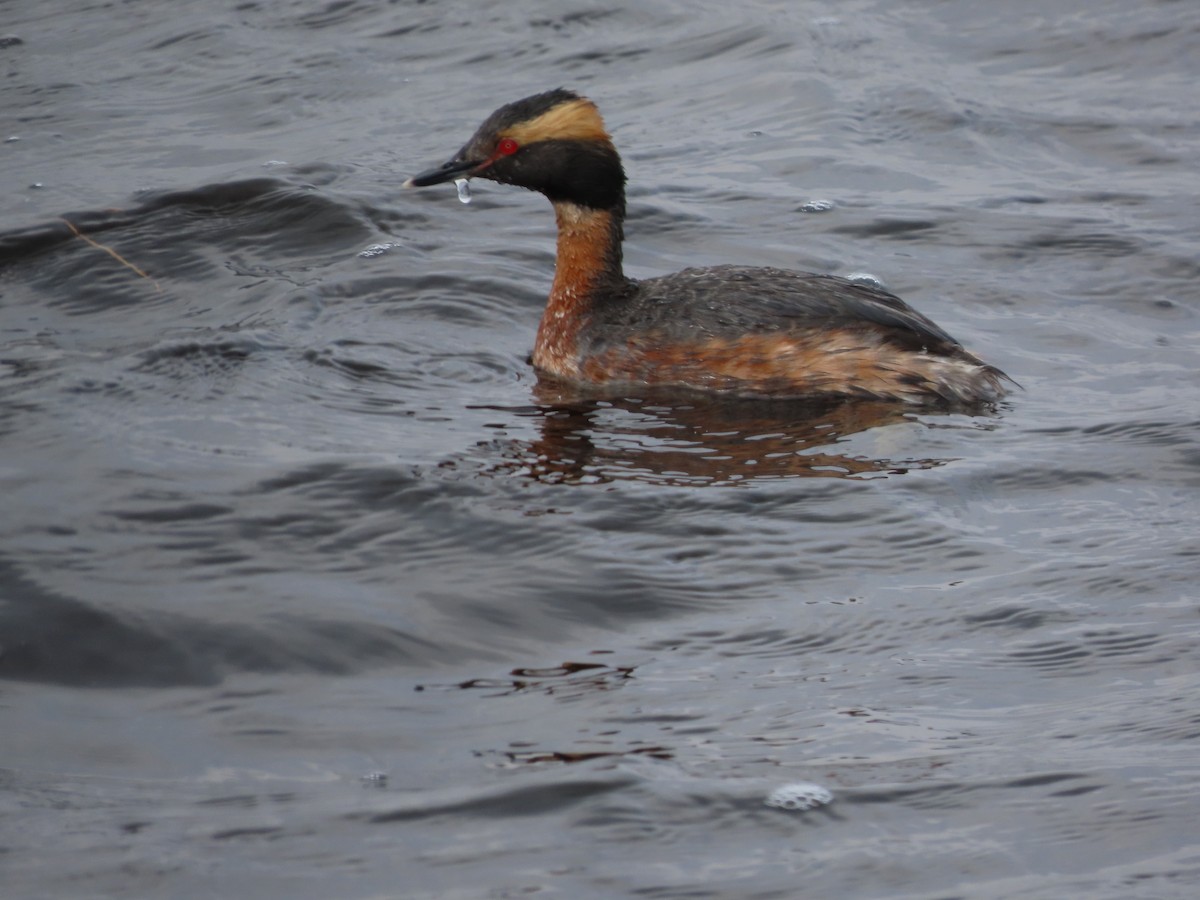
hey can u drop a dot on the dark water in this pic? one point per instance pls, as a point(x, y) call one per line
point(307, 589)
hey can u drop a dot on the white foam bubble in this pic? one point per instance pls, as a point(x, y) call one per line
point(799, 796)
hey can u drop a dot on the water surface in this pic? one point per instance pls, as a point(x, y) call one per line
point(308, 589)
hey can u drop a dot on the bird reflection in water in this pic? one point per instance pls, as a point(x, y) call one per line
point(696, 440)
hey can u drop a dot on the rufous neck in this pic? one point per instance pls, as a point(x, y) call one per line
point(588, 268)
point(589, 252)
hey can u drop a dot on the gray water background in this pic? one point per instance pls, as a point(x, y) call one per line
point(307, 590)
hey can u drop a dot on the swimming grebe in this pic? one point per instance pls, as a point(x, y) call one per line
point(749, 332)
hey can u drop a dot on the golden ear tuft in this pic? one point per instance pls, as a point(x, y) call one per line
point(575, 120)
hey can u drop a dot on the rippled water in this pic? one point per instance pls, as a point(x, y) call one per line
point(308, 589)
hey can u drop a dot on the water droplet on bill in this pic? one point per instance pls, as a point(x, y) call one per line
point(464, 189)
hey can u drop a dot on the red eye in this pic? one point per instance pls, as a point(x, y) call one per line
point(507, 147)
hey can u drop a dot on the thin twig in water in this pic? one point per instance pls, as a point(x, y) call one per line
point(110, 251)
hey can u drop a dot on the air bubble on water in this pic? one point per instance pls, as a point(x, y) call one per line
point(464, 189)
point(815, 206)
point(799, 797)
point(376, 250)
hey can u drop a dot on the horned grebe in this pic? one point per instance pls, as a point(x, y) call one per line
point(743, 331)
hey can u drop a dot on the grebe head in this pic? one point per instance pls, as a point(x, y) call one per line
point(553, 143)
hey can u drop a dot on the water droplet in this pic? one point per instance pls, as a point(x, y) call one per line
point(464, 189)
point(800, 797)
point(866, 278)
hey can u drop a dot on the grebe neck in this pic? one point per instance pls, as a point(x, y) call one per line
point(587, 268)
point(589, 250)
